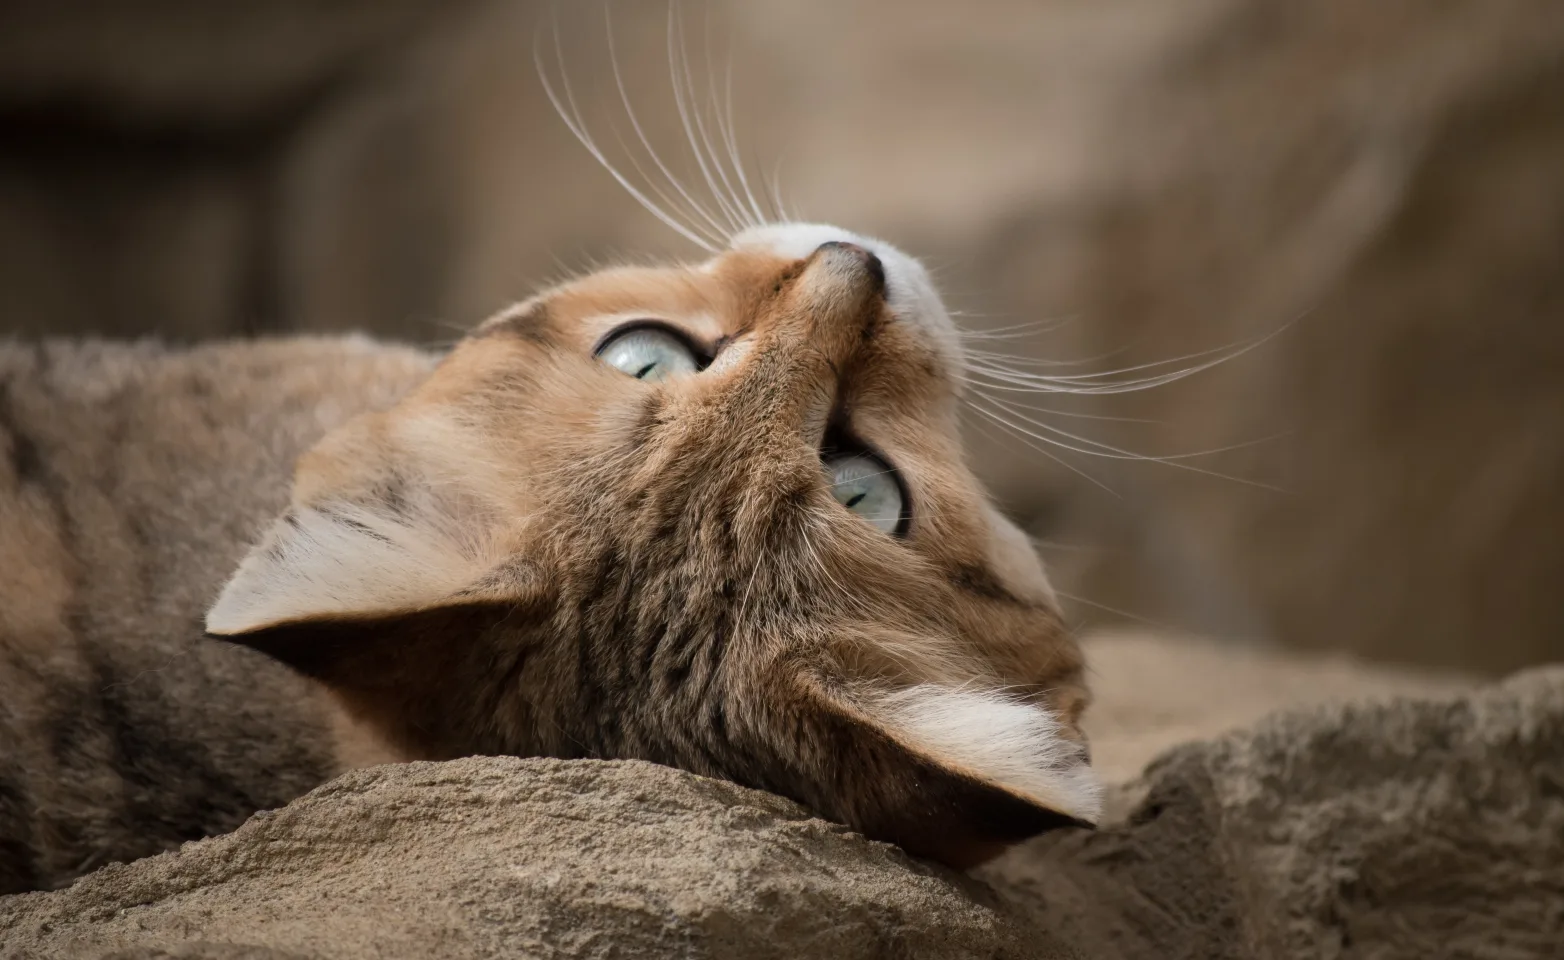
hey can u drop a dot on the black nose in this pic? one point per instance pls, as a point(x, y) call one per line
point(870, 262)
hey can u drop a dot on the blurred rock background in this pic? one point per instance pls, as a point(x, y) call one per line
point(1369, 195)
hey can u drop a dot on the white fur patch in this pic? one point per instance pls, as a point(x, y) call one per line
point(343, 561)
point(909, 291)
point(1014, 744)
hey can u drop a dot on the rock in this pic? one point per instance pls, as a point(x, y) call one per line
point(1406, 828)
point(538, 858)
point(1377, 185)
point(197, 950)
point(147, 153)
point(1397, 828)
point(1153, 692)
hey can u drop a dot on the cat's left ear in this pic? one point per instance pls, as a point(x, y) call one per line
point(382, 561)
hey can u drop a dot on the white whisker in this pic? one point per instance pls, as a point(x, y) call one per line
point(1099, 382)
point(982, 389)
point(1027, 438)
point(1012, 331)
point(717, 229)
point(716, 111)
point(689, 115)
point(1044, 383)
point(715, 234)
point(573, 120)
point(731, 135)
point(1042, 543)
point(783, 214)
point(1117, 612)
point(1012, 363)
point(1097, 448)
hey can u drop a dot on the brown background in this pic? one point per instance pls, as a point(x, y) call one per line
point(1379, 185)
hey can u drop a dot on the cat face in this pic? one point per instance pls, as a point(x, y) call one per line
point(714, 516)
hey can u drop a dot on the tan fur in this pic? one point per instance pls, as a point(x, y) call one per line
point(534, 553)
point(132, 478)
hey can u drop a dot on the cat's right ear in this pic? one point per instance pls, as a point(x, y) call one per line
point(359, 594)
point(381, 575)
point(358, 560)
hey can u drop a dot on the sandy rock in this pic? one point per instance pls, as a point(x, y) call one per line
point(536, 858)
point(1377, 184)
point(1152, 692)
point(1399, 828)
point(198, 950)
point(1407, 828)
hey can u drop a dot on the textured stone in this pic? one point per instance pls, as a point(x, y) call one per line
point(1398, 828)
point(506, 857)
point(1407, 828)
point(1376, 185)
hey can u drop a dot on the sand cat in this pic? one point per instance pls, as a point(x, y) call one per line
point(713, 515)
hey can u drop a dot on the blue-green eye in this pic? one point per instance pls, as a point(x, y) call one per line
point(649, 353)
point(867, 487)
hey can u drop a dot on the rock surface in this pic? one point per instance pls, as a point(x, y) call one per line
point(1151, 692)
point(1408, 828)
point(1376, 185)
point(507, 857)
point(1404, 828)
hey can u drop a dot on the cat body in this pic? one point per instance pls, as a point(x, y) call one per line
point(133, 478)
point(712, 515)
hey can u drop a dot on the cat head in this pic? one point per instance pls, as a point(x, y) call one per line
point(715, 516)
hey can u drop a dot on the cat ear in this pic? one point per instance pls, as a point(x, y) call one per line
point(384, 600)
point(957, 775)
point(348, 560)
point(381, 555)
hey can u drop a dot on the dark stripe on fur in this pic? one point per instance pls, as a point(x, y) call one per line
point(976, 580)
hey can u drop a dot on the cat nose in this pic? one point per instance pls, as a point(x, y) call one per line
point(854, 256)
point(803, 337)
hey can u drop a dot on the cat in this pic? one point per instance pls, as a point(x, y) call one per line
point(713, 515)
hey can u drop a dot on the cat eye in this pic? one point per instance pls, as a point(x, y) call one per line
point(869, 488)
point(649, 352)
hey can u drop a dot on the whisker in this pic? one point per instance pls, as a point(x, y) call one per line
point(731, 134)
point(678, 186)
point(1045, 544)
point(1028, 439)
point(574, 122)
point(982, 389)
point(1011, 331)
point(1044, 383)
point(716, 111)
point(1117, 612)
point(1097, 448)
point(714, 233)
point(1012, 363)
point(783, 214)
point(748, 590)
point(1103, 374)
point(1085, 383)
point(689, 116)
